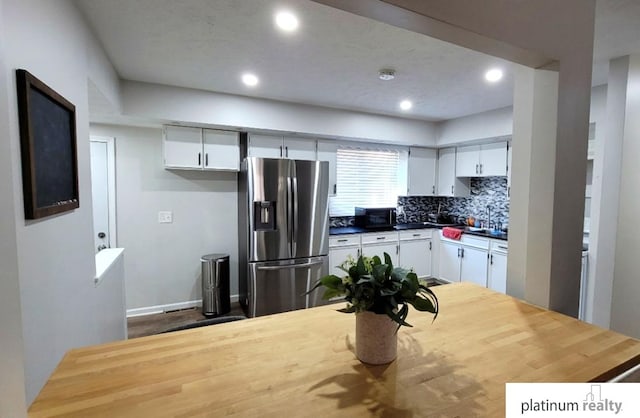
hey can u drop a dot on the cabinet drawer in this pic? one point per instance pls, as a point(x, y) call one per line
point(344, 240)
point(415, 234)
point(378, 237)
point(502, 246)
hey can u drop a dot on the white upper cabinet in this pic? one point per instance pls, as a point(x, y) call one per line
point(422, 172)
point(221, 150)
point(327, 151)
point(182, 147)
point(482, 160)
point(448, 183)
point(201, 149)
point(271, 146)
point(299, 149)
point(265, 146)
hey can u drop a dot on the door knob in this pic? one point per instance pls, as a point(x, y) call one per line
point(101, 235)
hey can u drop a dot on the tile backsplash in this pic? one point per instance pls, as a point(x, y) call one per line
point(484, 191)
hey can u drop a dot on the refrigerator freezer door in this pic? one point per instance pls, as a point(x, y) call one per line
point(281, 286)
point(310, 208)
point(268, 195)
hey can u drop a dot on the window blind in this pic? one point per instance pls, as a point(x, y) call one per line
point(367, 177)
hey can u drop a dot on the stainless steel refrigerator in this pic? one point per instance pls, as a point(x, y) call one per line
point(283, 233)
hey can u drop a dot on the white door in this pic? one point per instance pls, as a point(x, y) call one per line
point(221, 150)
point(493, 159)
point(468, 161)
point(416, 255)
point(473, 267)
point(498, 272)
point(446, 171)
point(102, 153)
point(449, 261)
point(327, 151)
point(338, 255)
point(182, 147)
point(422, 172)
point(265, 146)
point(300, 149)
point(379, 250)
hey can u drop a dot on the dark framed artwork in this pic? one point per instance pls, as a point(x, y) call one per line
point(48, 147)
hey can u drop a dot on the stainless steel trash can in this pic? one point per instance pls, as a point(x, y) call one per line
point(215, 284)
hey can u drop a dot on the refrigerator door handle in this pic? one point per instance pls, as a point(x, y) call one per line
point(294, 221)
point(290, 215)
point(291, 266)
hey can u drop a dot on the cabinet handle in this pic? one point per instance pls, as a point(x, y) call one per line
point(335, 189)
point(429, 245)
point(491, 259)
point(397, 249)
point(433, 189)
point(477, 169)
point(502, 247)
point(481, 168)
point(358, 252)
point(451, 189)
point(381, 238)
point(461, 252)
point(199, 158)
point(458, 252)
point(281, 154)
point(286, 151)
point(206, 159)
point(343, 240)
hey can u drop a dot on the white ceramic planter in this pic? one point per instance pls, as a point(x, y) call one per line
point(376, 338)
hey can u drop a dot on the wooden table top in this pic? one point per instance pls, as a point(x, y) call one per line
point(302, 364)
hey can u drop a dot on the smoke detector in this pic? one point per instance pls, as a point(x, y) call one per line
point(387, 74)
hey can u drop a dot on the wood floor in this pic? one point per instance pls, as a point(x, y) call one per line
point(141, 326)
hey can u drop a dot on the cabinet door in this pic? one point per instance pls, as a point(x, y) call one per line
point(221, 150)
point(299, 149)
point(449, 261)
point(422, 172)
point(327, 151)
point(379, 249)
point(338, 255)
point(509, 170)
point(416, 255)
point(446, 171)
point(265, 146)
point(473, 267)
point(468, 161)
point(498, 272)
point(493, 159)
point(182, 147)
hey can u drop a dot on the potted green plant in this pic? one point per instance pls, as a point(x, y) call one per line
point(379, 295)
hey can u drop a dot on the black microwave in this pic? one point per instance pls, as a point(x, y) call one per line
point(375, 218)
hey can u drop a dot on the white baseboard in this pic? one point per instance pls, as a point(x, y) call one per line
point(150, 310)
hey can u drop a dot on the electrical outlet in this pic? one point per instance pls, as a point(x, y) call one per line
point(165, 217)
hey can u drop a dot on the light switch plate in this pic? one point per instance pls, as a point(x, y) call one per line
point(165, 217)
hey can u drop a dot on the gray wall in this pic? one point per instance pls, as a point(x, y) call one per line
point(162, 261)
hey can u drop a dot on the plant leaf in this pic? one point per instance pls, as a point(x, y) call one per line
point(348, 309)
point(423, 305)
point(396, 317)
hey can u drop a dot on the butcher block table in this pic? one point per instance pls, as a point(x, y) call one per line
point(301, 364)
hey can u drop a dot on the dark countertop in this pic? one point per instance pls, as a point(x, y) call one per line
point(421, 225)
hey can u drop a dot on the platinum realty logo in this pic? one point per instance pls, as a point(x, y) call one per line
point(572, 399)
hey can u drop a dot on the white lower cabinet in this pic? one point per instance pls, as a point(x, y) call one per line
point(467, 263)
point(378, 243)
point(498, 272)
point(416, 254)
point(340, 248)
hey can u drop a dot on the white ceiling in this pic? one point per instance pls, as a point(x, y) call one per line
point(332, 60)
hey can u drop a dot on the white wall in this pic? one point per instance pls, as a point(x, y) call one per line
point(491, 124)
point(165, 103)
point(12, 392)
point(163, 260)
point(55, 255)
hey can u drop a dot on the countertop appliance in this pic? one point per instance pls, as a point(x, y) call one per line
point(283, 233)
point(375, 218)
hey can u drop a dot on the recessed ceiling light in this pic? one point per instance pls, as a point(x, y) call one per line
point(387, 74)
point(406, 105)
point(250, 79)
point(493, 75)
point(287, 21)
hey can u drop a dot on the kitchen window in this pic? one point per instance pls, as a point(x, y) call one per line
point(369, 177)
